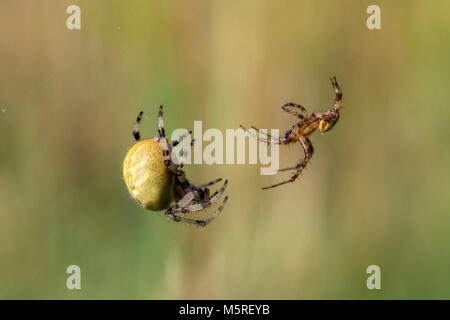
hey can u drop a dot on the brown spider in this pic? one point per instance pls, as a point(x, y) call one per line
point(302, 130)
point(155, 181)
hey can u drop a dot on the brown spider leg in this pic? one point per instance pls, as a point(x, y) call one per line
point(268, 135)
point(308, 148)
point(287, 134)
point(163, 139)
point(286, 106)
point(295, 113)
point(209, 183)
point(287, 169)
point(294, 167)
point(136, 133)
point(338, 92)
point(200, 223)
point(201, 205)
point(317, 115)
point(277, 140)
point(295, 105)
point(181, 138)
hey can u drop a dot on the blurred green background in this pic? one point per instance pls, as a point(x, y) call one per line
point(376, 192)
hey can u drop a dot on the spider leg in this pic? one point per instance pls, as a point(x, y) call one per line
point(136, 133)
point(288, 133)
point(286, 106)
point(163, 139)
point(181, 138)
point(181, 163)
point(202, 205)
point(183, 156)
point(277, 140)
point(205, 190)
point(295, 105)
point(255, 128)
point(338, 92)
point(287, 169)
point(268, 135)
point(187, 198)
point(308, 149)
point(295, 113)
point(200, 223)
point(205, 185)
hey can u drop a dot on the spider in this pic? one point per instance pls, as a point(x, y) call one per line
point(302, 130)
point(155, 181)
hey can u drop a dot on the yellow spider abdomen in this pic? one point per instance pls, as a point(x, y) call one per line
point(147, 178)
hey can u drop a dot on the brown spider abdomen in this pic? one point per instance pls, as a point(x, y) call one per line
point(147, 178)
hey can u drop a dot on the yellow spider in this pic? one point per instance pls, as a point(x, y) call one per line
point(155, 181)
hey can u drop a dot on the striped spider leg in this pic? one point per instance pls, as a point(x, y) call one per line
point(189, 197)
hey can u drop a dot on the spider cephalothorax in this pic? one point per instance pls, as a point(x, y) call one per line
point(155, 181)
point(302, 130)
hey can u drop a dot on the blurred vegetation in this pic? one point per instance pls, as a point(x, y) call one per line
point(376, 191)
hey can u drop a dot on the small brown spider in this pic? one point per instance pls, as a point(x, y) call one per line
point(155, 181)
point(302, 130)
